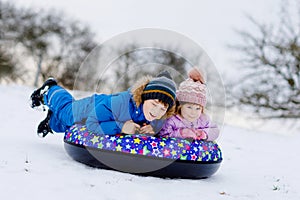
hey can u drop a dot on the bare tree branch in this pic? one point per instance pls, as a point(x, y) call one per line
point(271, 64)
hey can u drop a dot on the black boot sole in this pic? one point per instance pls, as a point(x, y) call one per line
point(44, 128)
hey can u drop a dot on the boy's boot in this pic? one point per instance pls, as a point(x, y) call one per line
point(37, 96)
point(44, 128)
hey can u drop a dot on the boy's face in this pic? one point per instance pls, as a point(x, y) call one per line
point(191, 111)
point(153, 109)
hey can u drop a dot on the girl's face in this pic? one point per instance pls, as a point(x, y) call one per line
point(191, 111)
point(153, 109)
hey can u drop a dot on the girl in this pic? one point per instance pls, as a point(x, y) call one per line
point(190, 120)
point(136, 110)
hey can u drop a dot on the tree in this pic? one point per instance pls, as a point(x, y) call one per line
point(56, 44)
point(270, 80)
point(129, 63)
point(145, 61)
point(74, 43)
point(8, 68)
point(6, 64)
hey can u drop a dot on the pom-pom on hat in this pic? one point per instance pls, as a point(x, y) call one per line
point(193, 89)
point(162, 87)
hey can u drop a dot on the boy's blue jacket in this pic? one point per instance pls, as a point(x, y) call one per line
point(103, 114)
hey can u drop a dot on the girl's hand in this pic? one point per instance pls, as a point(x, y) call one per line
point(201, 135)
point(147, 129)
point(188, 133)
point(130, 127)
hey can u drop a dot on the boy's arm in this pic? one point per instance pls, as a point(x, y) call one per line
point(102, 121)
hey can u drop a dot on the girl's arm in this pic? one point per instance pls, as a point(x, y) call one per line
point(211, 129)
point(170, 129)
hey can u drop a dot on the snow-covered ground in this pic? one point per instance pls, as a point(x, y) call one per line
point(257, 165)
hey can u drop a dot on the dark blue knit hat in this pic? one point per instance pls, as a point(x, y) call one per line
point(162, 88)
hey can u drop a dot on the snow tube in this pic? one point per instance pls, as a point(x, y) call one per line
point(143, 154)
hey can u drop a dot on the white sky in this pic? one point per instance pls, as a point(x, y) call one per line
point(209, 23)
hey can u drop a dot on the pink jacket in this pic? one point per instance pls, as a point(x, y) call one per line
point(174, 124)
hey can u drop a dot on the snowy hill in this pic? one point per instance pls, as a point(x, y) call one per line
point(256, 165)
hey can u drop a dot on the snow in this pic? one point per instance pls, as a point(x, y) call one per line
point(257, 165)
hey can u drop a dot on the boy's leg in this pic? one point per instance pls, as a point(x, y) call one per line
point(59, 102)
point(74, 112)
point(63, 111)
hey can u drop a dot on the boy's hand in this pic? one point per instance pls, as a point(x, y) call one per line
point(130, 127)
point(147, 129)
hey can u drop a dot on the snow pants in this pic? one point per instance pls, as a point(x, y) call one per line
point(66, 110)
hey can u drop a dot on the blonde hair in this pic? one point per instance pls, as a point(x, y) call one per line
point(180, 104)
point(137, 91)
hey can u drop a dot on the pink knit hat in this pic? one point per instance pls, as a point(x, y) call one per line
point(193, 89)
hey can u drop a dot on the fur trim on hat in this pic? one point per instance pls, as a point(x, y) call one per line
point(137, 91)
point(138, 88)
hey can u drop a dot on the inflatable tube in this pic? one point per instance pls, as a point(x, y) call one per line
point(144, 155)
